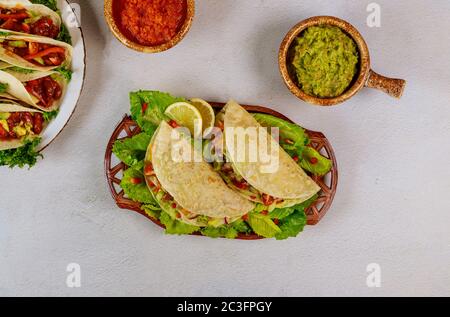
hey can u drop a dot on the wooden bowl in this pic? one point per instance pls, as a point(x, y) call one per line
point(109, 16)
point(365, 77)
point(128, 128)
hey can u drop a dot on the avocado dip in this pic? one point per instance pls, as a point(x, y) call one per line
point(325, 61)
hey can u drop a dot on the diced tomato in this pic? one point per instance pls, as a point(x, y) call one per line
point(173, 124)
point(276, 221)
point(178, 215)
point(253, 197)
point(265, 212)
point(314, 160)
point(174, 206)
point(296, 159)
point(144, 107)
point(226, 220)
point(151, 184)
point(136, 180)
point(245, 217)
point(3, 132)
point(267, 199)
point(241, 185)
point(167, 197)
point(148, 170)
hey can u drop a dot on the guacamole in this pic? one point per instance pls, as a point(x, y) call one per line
point(325, 61)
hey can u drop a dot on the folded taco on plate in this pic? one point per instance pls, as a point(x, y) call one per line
point(42, 90)
point(18, 125)
point(282, 185)
point(33, 52)
point(29, 18)
point(188, 190)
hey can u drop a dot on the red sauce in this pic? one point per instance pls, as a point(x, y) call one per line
point(46, 89)
point(150, 22)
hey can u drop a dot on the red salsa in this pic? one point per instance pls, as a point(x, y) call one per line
point(15, 125)
point(150, 22)
point(19, 20)
point(46, 89)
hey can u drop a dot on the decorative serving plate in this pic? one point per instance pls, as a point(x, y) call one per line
point(127, 128)
point(76, 84)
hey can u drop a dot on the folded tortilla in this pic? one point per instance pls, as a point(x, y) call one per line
point(8, 106)
point(13, 59)
point(16, 87)
point(286, 182)
point(194, 185)
point(35, 11)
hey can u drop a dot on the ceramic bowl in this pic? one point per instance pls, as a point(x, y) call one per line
point(366, 77)
point(109, 16)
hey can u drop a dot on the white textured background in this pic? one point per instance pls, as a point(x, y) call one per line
point(393, 203)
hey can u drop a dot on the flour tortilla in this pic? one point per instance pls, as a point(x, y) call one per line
point(288, 181)
point(17, 89)
point(195, 186)
point(15, 60)
point(35, 10)
point(9, 106)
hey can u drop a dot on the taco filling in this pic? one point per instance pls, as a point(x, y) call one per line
point(19, 125)
point(45, 89)
point(21, 20)
point(39, 54)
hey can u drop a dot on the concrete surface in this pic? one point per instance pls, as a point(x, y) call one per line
point(393, 204)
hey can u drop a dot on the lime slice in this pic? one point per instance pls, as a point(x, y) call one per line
point(187, 116)
point(206, 111)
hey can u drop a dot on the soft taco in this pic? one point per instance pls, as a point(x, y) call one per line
point(190, 191)
point(36, 19)
point(33, 52)
point(283, 185)
point(42, 90)
point(18, 125)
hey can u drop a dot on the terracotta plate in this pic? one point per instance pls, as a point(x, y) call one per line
point(127, 128)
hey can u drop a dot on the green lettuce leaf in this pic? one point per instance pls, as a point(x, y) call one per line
point(49, 116)
point(263, 225)
point(281, 213)
point(52, 4)
point(153, 211)
point(321, 167)
point(174, 226)
point(66, 73)
point(291, 226)
point(157, 103)
point(136, 192)
point(226, 231)
point(132, 150)
point(25, 155)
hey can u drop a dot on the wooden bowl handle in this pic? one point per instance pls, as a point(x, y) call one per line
point(392, 86)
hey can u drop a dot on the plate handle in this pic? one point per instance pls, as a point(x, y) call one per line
point(392, 86)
